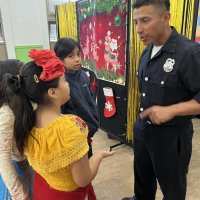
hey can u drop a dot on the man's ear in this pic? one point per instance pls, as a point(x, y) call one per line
point(166, 17)
point(51, 93)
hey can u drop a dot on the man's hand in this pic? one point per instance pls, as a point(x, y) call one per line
point(157, 114)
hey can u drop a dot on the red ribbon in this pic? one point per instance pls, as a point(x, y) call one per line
point(51, 64)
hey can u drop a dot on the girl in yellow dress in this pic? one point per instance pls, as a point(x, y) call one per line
point(55, 144)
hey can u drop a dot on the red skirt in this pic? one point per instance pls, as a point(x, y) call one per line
point(42, 191)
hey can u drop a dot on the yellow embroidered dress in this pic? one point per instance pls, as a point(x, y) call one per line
point(52, 149)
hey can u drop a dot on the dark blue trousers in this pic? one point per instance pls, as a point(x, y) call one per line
point(162, 156)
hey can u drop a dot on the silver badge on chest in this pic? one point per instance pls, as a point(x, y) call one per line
point(169, 65)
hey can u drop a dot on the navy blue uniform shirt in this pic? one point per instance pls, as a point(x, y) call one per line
point(170, 77)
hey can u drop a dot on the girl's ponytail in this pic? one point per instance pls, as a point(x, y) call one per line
point(21, 106)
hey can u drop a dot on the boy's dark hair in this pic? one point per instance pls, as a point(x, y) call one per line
point(160, 3)
point(20, 92)
point(65, 46)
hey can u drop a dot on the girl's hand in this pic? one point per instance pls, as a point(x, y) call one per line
point(107, 153)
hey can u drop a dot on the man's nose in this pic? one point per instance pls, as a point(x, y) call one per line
point(139, 28)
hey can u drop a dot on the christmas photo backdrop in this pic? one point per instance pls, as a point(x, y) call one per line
point(103, 35)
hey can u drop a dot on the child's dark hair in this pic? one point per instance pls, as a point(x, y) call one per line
point(20, 91)
point(160, 3)
point(11, 66)
point(65, 46)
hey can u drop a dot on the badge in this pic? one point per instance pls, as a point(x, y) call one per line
point(168, 66)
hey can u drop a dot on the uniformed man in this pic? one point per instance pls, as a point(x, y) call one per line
point(168, 75)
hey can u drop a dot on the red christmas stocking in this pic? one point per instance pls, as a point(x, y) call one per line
point(110, 108)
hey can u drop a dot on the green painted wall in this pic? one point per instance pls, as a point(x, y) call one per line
point(22, 52)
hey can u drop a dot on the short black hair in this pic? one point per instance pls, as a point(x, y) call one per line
point(161, 3)
point(65, 46)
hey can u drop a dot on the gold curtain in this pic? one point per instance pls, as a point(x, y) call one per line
point(136, 48)
point(182, 12)
point(67, 20)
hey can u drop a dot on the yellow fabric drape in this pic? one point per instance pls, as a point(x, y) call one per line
point(136, 48)
point(183, 19)
point(67, 20)
point(182, 12)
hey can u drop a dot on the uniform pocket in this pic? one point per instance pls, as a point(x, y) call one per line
point(163, 89)
point(170, 92)
point(171, 82)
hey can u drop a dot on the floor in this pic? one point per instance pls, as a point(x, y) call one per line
point(115, 177)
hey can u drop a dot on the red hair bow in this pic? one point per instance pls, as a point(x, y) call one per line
point(51, 64)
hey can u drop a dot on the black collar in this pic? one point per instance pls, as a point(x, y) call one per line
point(170, 45)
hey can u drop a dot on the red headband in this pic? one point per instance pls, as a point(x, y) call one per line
point(47, 59)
